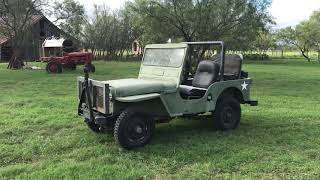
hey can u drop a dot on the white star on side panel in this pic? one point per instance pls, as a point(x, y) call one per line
point(244, 86)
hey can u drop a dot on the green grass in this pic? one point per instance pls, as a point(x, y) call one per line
point(41, 136)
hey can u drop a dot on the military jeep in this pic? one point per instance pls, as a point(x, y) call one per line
point(174, 81)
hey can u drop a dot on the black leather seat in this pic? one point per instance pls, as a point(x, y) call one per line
point(207, 73)
point(232, 66)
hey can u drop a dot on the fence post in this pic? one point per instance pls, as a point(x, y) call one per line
point(319, 54)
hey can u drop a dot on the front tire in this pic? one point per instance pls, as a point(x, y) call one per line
point(133, 129)
point(227, 114)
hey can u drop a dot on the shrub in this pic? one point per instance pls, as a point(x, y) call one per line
point(256, 57)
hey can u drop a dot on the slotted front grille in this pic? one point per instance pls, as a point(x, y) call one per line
point(98, 98)
point(99, 95)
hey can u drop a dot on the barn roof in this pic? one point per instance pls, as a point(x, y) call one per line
point(3, 40)
point(35, 19)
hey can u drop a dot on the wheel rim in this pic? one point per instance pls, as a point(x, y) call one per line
point(228, 116)
point(137, 130)
point(53, 68)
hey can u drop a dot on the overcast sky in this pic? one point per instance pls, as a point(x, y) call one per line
point(285, 12)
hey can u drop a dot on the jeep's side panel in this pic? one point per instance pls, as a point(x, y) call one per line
point(242, 86)
point(176, 106)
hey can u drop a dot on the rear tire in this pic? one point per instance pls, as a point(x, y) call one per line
point(227, 113)
point(53, 67)
point(133, 129)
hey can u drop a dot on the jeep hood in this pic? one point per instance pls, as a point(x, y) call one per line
point(132, 87)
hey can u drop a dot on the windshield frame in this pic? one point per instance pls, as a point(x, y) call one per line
point(180, 65)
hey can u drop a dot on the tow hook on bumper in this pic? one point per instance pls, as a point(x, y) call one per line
point(252, 103)
point(85, 97)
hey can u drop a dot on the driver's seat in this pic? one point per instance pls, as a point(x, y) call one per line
point(207, 73)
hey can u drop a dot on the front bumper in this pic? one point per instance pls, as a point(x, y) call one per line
point(99, 97)
point(252, 103)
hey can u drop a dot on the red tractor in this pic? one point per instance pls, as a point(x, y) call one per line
point(61, 54)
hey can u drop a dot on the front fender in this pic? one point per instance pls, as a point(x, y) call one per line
point(138, 98)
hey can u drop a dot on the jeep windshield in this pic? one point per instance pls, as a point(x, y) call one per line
point(164, 57)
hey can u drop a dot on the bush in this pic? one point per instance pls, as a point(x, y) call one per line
point(256, 57)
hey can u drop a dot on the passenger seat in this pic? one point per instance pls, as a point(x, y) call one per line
point(207, 73)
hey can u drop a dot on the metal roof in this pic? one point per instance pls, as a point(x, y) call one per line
point(3, 40)
point(53, 42)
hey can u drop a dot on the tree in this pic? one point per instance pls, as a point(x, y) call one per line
point(109, 33)
point(70, 15)
point(315, 23)
point(15, 18)
point(304, 36)
point(264, 41)
point(235, 21)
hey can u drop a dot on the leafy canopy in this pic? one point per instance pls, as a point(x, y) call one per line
point(234, 21)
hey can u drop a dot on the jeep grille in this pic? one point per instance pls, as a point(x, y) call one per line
point(99, 98)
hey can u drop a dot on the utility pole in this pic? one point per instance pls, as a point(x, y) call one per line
point(319, 54)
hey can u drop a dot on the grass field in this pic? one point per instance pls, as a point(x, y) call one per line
point(41, 136)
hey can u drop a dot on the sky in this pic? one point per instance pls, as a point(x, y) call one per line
point(285, 12)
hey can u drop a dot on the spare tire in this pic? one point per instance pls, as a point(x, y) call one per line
point(68, 46)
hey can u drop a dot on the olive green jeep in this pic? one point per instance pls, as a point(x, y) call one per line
point(174, 80)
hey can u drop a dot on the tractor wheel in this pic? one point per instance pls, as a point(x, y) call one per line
point(133, 129)
point(227, 113)
point(54, 67)
point(73, 67)
point(90, 67)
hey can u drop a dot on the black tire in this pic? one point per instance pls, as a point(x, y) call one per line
point(133, 129)
point(53, 67)
point(73, 67)
point(108, 128)
point(227, 113)
point(90, 68)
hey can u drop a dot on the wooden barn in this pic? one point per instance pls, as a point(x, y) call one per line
point(40, 29)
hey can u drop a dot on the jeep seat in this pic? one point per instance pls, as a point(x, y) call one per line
point(232, 66)
point(207, 73)
point(132, 87)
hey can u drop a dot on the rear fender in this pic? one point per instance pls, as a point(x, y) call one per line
point(239, 89)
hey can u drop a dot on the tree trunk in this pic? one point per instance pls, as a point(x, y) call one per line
point(305, 51)
point(15, 61)
point(306, 56)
